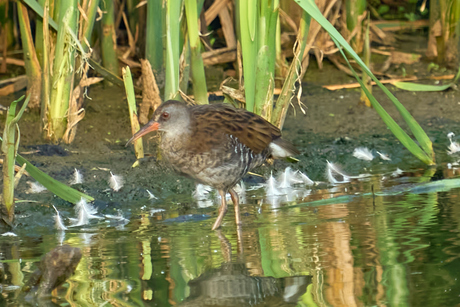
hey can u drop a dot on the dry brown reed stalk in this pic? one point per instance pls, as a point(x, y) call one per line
point(76, 112)
point(30, 57)
point(150, 93)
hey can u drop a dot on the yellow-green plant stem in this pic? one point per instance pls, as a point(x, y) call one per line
point(367, 60)
point(266, 57)
point(196, 61)
point(108, 39)
point(63, 71)
point(91, 13)
point(280, 64)
point(248, 33)
point(114, 78)
point(173, 9)
point(9, 148)
point(39, 41)
point(138, 147)
point(450, 24)
point(354, 9)
point(46, 77)
point(57, 9)
point(38, 8)
point(32, 65)
point(282, 104)
point(154, 42)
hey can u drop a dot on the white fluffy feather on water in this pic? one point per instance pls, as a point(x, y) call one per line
point(116, 182)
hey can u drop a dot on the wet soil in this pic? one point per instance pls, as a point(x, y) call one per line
point(334, 124)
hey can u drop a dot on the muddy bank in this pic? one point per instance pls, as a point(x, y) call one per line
point(334, 124)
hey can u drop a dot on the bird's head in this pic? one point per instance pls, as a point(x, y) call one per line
point(171, 117)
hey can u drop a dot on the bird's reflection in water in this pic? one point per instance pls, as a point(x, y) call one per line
point(232, 285)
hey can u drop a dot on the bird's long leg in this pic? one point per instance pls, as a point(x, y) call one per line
point(236, 204)
point(239, 230)
point(225, 246)
point(222, 210)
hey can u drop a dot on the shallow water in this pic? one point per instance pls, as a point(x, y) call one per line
point(382, 240)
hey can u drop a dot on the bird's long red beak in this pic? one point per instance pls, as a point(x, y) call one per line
point(149, 127)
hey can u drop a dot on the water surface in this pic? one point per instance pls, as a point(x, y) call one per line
point(378, 241)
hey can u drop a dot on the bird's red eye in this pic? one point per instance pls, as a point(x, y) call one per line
point(165, 115)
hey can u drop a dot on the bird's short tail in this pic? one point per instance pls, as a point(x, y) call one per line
point(280, 148)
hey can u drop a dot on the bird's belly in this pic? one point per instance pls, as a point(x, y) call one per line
point(217, 169)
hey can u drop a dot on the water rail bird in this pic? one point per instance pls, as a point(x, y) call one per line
point(215, 144)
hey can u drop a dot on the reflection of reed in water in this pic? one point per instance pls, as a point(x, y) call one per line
point(232, 285)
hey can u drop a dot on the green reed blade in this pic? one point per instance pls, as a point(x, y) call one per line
point(196, 60)
point(108, 45)
point(37, 8)
point(415, 87)
point(154, 40)
point(173, 9)
point(248, 23)
point(63, 71)
point(420, 135)
point(9, 149)
point(266, 57)
point(392, 125)
point(58, 188)
point(138, 146)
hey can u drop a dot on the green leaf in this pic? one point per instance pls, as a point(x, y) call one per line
point(58, 188)
point(415, 87)
point(392, 125)
point(252, 17)
point(37, 8)
point(310, 7)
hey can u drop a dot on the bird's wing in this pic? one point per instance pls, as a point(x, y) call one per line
point(213, 124)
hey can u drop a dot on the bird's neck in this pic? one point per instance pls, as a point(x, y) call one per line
point(179, 133)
